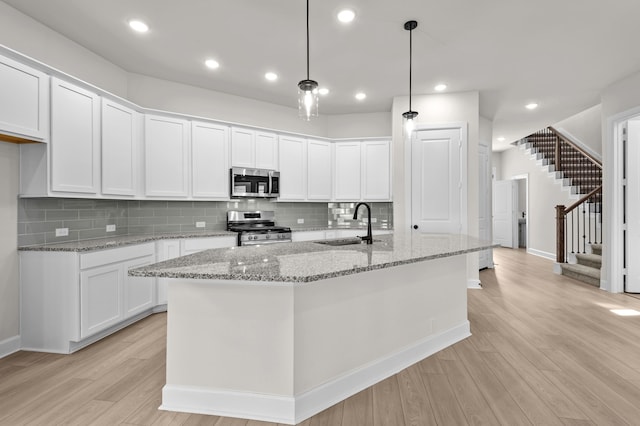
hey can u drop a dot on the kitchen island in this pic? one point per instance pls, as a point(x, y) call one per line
point(280, 332)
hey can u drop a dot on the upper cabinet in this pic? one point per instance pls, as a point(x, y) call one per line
point(293, 168)
point(347, 171)
point(75, 138)
point(376, 170)
point(209, 160)
point(319, 170)
point(166, 147)
point(24, 101)
point(121, 140)
point(254, 149)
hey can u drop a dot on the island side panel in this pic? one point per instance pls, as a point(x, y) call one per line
point(227, 343)
point(356, 330)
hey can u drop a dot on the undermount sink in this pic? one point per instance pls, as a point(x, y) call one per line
point(340, 242)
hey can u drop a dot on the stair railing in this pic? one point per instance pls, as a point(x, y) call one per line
point(574, 231)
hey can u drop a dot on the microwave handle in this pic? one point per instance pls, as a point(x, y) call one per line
point(270, 189)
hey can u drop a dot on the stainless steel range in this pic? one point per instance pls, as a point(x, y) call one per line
point(257, 227)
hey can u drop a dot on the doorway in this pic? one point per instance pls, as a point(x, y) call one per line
point(510, 211)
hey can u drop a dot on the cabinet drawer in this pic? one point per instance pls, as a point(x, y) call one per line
point(193, 245)
point(121, 254)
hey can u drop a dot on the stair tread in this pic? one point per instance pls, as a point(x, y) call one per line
point(582, 269)
point(589, 256)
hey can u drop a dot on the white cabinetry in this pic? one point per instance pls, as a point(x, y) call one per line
point(376, 170)
point(69, 300)
point(166, 145)
point(166, 250)
point(24, 101)
point(347, 175)
point(293, 168)
point(194, 245)
point(75, 138)
point(121, 140)
point(254, 149)
point(319, 181)
point(209, 161)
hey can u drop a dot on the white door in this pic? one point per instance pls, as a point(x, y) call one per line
point(484, 205)
point(166, 156)
point(505, 198)
point(632, 204)
point(436, 183)
point(319, 170)
point(266, 150)
point(293, 168)
point(243, 148)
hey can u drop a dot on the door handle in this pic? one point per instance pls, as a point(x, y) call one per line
point(415, 226)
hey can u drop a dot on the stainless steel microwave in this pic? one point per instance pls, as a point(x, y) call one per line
point(254, 183)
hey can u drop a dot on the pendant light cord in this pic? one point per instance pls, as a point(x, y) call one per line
point(410, 63)
point(307, 39)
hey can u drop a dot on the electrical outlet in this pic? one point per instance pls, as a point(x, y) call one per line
point(201, 224)
point(300, 220)
point(62, 232)
point(111, 228)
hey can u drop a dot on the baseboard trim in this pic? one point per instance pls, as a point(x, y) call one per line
point(474, 283)
point(540, 253)
point(293, 410)
point(9, 346)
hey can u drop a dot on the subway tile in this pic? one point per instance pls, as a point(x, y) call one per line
point(142, 212)
point(90, 214)
point(31, 240)
point(44, 203)
point(167, 212)
point(77, 204)
point(76, 225)
point(21, 228)
point(141, 230)
point(50, 237)
point(89, 234)
point(41, 227)
point(180, 220)
point(192, 211)
point(32, 216)
point(153, 204)
point(61, 215)
point(179, 204)
point(160, 229)
point(153, 220)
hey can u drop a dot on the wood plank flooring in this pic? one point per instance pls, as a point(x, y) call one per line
point(545, 350)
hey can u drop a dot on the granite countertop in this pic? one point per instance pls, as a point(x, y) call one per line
point(310, 261)
point(121, 241)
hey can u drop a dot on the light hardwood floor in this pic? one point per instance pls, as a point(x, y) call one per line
point(545, 350)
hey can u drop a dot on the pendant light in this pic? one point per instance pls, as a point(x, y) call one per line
point(308, 89)
point(410, 115)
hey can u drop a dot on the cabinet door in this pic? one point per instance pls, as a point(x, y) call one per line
point(209, 161)
point(75, 133)
point(266, 150)
point(24, 101)
point(319, 175)
point(293, 168)
point(100, 298)
point(347, 171)
point(166, 142)
point(139, 292)
point(376, 170)
point(243, 142)
point(120, 139)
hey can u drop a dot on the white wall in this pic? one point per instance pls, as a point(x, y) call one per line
point(544, 195)
point(165, 95)
point(437, 109)
point(9, 275)
point(585, 128)
point(359, 125)
point(496, 163)
point(27, 36)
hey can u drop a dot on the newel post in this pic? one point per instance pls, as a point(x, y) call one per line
point(560, 234)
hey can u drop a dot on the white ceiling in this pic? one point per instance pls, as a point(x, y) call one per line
point(558, 53)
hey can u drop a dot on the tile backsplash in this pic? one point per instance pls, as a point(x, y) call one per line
point(38, 218)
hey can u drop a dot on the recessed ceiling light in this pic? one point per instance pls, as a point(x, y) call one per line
point(501, 139)
point(212, 63)
point(138, 25)
point(271, 76)
point(360, 96)
point(440, 87)
point(346, 16)
point(532, 105)
point(323, 91)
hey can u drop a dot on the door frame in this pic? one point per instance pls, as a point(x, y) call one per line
point(525, 177)
point(612, 278)
point(464, 142)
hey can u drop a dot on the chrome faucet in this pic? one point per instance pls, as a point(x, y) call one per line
point(369, 237)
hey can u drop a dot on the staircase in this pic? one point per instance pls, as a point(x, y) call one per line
point(587, 268)
point(579, 226)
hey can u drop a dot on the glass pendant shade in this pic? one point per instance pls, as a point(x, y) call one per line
point(409, 121)
point(307, 99)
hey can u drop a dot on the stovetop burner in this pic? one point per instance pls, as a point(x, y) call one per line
point(257, 227)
